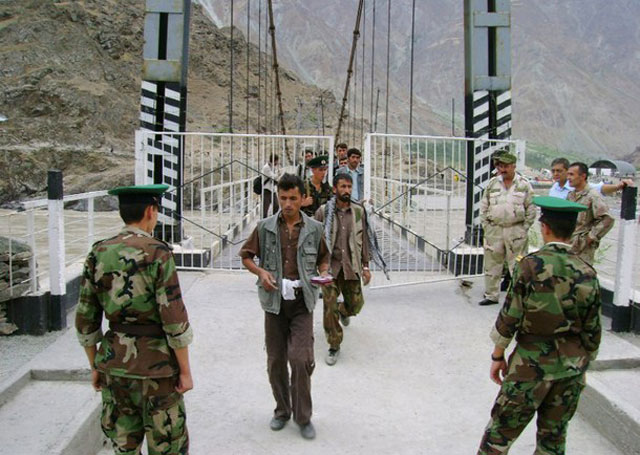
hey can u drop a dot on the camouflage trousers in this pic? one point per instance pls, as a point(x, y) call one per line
point(501, 245)
point(554, 401)
point(353, 301)
point(133, 408)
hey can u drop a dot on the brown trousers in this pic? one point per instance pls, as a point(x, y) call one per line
point(289, 338)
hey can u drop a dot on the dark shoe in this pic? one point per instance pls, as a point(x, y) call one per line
point(277, 423)
point(486, 302)
point(307, 431)
point(345, 320)
point(332, 356)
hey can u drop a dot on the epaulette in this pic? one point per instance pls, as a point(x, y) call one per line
point(519, 257)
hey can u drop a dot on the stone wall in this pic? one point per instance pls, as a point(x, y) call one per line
point(14, 277)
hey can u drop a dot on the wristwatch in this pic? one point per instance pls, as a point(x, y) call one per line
point(497, 359)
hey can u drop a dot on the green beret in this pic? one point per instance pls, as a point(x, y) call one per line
point(318, 161)
point(558, 208)
point(504, 157)
point(139, 194)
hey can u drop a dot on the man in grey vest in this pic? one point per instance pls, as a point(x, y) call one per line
point(345, 227)
point(292, 250)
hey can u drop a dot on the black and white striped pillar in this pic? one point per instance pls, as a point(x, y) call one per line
point(163, 106)
point(487, 96)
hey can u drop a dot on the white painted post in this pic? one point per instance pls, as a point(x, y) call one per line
point(367, 167)
point(56, 250)
point(521, 152)
point(90, 206)
point(31, 230)
point(621, 316)
point(140, 158)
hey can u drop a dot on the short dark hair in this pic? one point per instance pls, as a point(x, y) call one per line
point(354, 151)
point(341, 145)
point(274, 158)
point(561, 227)
point(342, 176)
point(133, 213)
point(563, 161)
point(582, 168)
point(289, 181)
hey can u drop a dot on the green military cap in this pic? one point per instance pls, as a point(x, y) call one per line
point(504, 157)
point(558, 208)
point(318, 161)
point(139, 194)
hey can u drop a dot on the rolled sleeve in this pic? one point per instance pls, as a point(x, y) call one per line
point(90, 339)
point(498, 339)
point(181, 340)
point(251, 247)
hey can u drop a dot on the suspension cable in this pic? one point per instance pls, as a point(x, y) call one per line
point(373, 59)
point(272, 28)
point(386, 109)
point(231, 75)
point(364, 41)
point(356, 34)
point(248, 41)
point(413, 29)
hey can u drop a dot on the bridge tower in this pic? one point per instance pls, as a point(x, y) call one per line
point(163, 106)
point(487, 49)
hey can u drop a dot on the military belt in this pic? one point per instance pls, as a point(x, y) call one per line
point(530, 338)
point(146, 330)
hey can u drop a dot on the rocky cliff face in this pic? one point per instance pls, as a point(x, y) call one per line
point(70, 90)
point(575, 64)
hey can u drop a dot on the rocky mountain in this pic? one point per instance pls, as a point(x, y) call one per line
point(70, 90)
point(575, 64)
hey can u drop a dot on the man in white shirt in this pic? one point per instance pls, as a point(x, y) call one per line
point(561, 187)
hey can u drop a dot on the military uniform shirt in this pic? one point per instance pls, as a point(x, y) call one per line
point(554, 295)
point(319, 197)
point(132, 279)
point(595, 222)
point(507, 207)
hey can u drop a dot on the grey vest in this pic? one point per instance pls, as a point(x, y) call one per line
point(271, 260)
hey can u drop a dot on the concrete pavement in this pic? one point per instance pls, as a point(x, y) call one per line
point(412, 378)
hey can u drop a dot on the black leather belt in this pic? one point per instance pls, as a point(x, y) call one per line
point(146, 330)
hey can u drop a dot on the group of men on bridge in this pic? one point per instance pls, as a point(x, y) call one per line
point(142, 365)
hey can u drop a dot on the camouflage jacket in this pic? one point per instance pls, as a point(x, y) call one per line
point(319, 197)
point(554, 301)
point(132, 279)
point(593, 223)
point(508, 207)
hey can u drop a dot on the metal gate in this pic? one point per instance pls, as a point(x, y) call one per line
point(218, 205)
point(416, 188)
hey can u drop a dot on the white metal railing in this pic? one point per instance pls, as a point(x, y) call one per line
point(217, 204)
point(417, 187)
point(31, 228)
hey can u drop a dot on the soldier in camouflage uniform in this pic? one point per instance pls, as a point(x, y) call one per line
point(595, 222)
point(142, 365)
point(318, 192)
point(506, 214)
point(553, 310)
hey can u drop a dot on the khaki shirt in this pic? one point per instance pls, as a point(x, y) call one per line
point(501, 206)
point(594, 222)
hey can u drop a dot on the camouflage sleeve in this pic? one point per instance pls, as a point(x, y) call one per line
point(89, 311)
point(530, 210)
point(508, 321)
point(173, 313)
point(602, 221)
point(591, 327)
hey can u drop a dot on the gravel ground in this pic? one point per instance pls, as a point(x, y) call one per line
point(16, 350)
